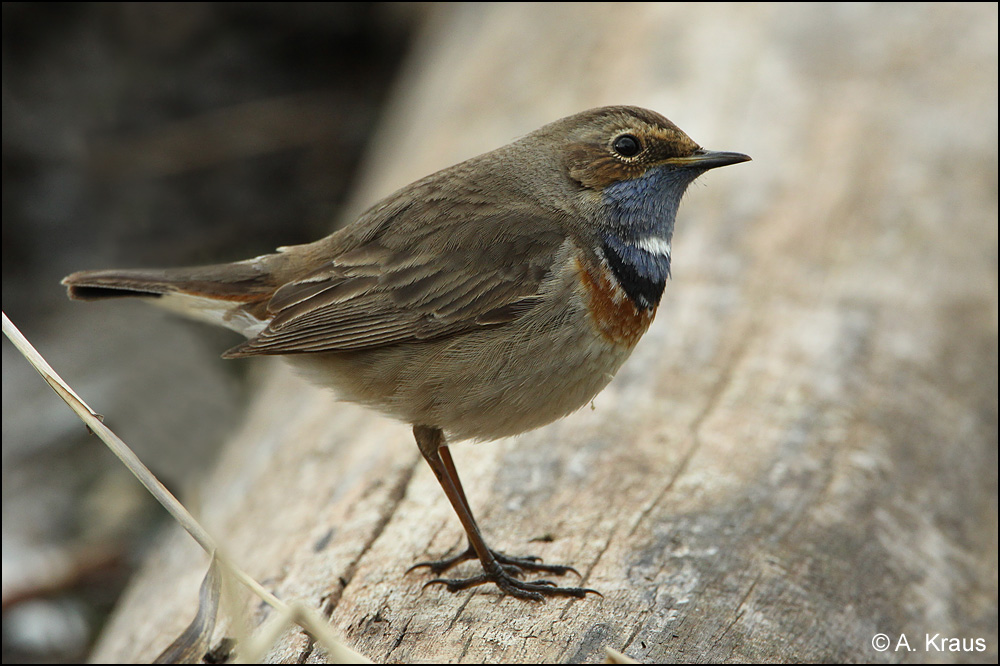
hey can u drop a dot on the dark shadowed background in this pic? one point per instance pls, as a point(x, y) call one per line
point(143, 135)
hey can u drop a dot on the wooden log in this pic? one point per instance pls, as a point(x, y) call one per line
point(801, 453)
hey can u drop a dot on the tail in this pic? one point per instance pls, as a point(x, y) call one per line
point(232, 295)
point(241, 281)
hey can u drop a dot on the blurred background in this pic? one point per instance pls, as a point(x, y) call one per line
point(157, 134)
point(151, 134)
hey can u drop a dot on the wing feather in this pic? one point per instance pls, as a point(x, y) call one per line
point(444, 283)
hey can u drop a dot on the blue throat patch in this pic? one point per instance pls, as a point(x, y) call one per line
point(641, 214)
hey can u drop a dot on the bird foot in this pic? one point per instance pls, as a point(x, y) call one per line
point(504, 572)
point(513, 565)
point(502, 577)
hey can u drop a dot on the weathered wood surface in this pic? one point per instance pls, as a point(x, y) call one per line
point(802, 451)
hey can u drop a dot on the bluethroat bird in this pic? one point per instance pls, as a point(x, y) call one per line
point(487, 299)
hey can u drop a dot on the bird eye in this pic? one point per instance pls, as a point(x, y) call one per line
point(627, 145)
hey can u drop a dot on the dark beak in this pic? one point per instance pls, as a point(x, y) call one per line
point(708, 159)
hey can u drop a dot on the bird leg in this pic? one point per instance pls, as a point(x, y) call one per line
point(513, 564)
point(498, 568)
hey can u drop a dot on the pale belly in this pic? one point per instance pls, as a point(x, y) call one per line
point(483, 385)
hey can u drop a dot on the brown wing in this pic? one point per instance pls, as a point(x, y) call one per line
point(420, 283)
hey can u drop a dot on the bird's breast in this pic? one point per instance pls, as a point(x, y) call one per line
point(614, 315)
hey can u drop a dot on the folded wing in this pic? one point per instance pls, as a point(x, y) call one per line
point(446, 280)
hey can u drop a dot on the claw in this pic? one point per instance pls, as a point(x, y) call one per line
point(442, 565)
point(533, 591)
point(514, 565)
point(532, 563)
point(505, 571)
